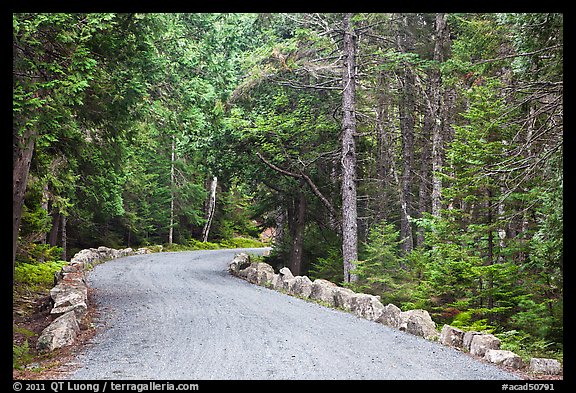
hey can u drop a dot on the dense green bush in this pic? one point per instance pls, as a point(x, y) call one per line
point(37, 275)
point(241, 242)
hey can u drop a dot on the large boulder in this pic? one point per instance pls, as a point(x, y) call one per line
point(452, 337)
point(482, 343)
point(124, 252)
point(61, 332)
point(467, 340)
point(545, 366)
point(76, 268)
point(274, 282)
point(63, 289)
point(504, 358)
point(85, 257)
point(283, 275)
point(343, 298)
point(249, 273)
point(323, 290)
point(300, 286)
point(264, 274)
point(419, 323)
point(72, 300)
point(240, 261)
point(367, 306)
point(107, 253)
point(258, 273)
point(390, 316)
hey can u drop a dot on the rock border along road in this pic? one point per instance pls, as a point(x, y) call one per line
point(181, 315)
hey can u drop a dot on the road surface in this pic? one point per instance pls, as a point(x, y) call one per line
point(182, 316)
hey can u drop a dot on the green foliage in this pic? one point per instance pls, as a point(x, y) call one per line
point(37, 275)
point(467, 321)
point(37, 253)
point(34, 220)
point(241, 242)
point(533, 32)
point(329, 268)
point(526, 346)
point(194, 244)
point(234, 215)
point(21, 355)
point(380, 269)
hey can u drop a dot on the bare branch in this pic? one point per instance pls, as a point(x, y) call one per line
point(304, 177)
point(517, 55)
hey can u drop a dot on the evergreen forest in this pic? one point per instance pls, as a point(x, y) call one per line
point(415, 156)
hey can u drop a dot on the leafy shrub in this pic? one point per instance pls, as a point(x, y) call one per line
point(466, 321)
point(198, 245)
point(241, 242)
point(329, 268)
point(21, 355)
point(21, 352)
point(381, 269)
point(526, 346)
point(37, 275)
point(193, 244)
point(155, 248)
point(34, 253)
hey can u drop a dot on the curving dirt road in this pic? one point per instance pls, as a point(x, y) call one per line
point(182, 316)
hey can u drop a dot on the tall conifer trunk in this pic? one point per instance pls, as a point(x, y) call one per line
point(173, 156)
point(297, 223)
point(349, 204)
point(437, 135)
point(407, 109)
point(22, 150)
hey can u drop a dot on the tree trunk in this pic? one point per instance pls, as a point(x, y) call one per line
point(381, 149)
point(436, 103)
point(424, 186)
point(406, 109)
point(386, 175)
point(490, 255)
point(349, 203)
point(171, 228)
point(64, 239)
point(53, 234)
point(211, 209)
point(297, 222)
point(22, 150)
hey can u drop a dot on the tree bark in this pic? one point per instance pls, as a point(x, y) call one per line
point(211, 209)
point(297, 223)
point(22, 150)
point(171, 228)
point(64, 239)
point(436, 103)
point(406, 108)
point(490, 254)
point(349, 203)
point(54, 229)
point(424, 186)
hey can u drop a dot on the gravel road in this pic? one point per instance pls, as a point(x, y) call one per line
point(182, 316)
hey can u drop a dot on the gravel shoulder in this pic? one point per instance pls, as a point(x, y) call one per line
point(182, 316)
